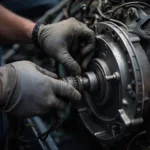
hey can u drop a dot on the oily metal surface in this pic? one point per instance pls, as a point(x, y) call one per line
point(118, 104)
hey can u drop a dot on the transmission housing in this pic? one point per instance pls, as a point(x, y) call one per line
point(119, 72)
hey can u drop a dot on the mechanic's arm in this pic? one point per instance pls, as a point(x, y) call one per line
point(70, 42)
point(14, 28)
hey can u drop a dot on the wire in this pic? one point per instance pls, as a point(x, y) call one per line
point(134, 138)
point(129, 3)
point(118, 2)
point(89, 3)
point(54, 127)
point(59, 121)
point(69, 7)
point(99, 9)
point(101, 14)
point(44, 135)
point(108, 18)
point(120, 23)
point(53, 11)
point(58, 18)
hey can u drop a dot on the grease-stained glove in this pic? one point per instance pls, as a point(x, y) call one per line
point(28, 90)
point(70, 42)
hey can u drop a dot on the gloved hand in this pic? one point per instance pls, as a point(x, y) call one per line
point(70, 42)
point(28, 90)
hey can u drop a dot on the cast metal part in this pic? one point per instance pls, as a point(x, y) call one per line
point(116, 86)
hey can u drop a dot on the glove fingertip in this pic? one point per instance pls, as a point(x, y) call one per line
point(75, 68)
point(88, 49)
point(78, 95)
point(74, 94)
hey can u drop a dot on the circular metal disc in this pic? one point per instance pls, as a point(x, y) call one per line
point(110, 112)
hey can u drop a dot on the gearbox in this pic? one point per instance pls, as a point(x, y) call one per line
point(116, 86)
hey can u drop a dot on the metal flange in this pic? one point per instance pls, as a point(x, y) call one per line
point(111, 113)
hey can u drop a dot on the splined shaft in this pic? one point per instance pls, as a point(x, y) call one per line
point(88, 82)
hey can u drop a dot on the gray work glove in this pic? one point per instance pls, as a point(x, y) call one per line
point(28, 90)
point(70, 42)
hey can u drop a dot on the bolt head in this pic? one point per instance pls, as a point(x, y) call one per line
point(125, 102)
point(129, 87)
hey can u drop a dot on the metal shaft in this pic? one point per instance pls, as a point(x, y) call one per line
point(88, 82)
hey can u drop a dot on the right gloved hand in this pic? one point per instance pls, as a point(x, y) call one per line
point(70, 42)
point(28, 90)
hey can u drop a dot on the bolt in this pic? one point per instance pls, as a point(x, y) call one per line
point(105, 46)
point(131, 11)
point(98, 37)
point(118, 39)
point(116, 76)
point(114, 35)
point(129, 87)
point(125, 102)
point(132, 94)
point(84, 7)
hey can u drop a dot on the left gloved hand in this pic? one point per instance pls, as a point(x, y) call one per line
point(27, 90)
point(70, 42)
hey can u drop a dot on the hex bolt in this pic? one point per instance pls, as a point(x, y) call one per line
point(129, 87)
point(125, 102)
point(84, 7)
point(132, 94)
point(115, 76)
